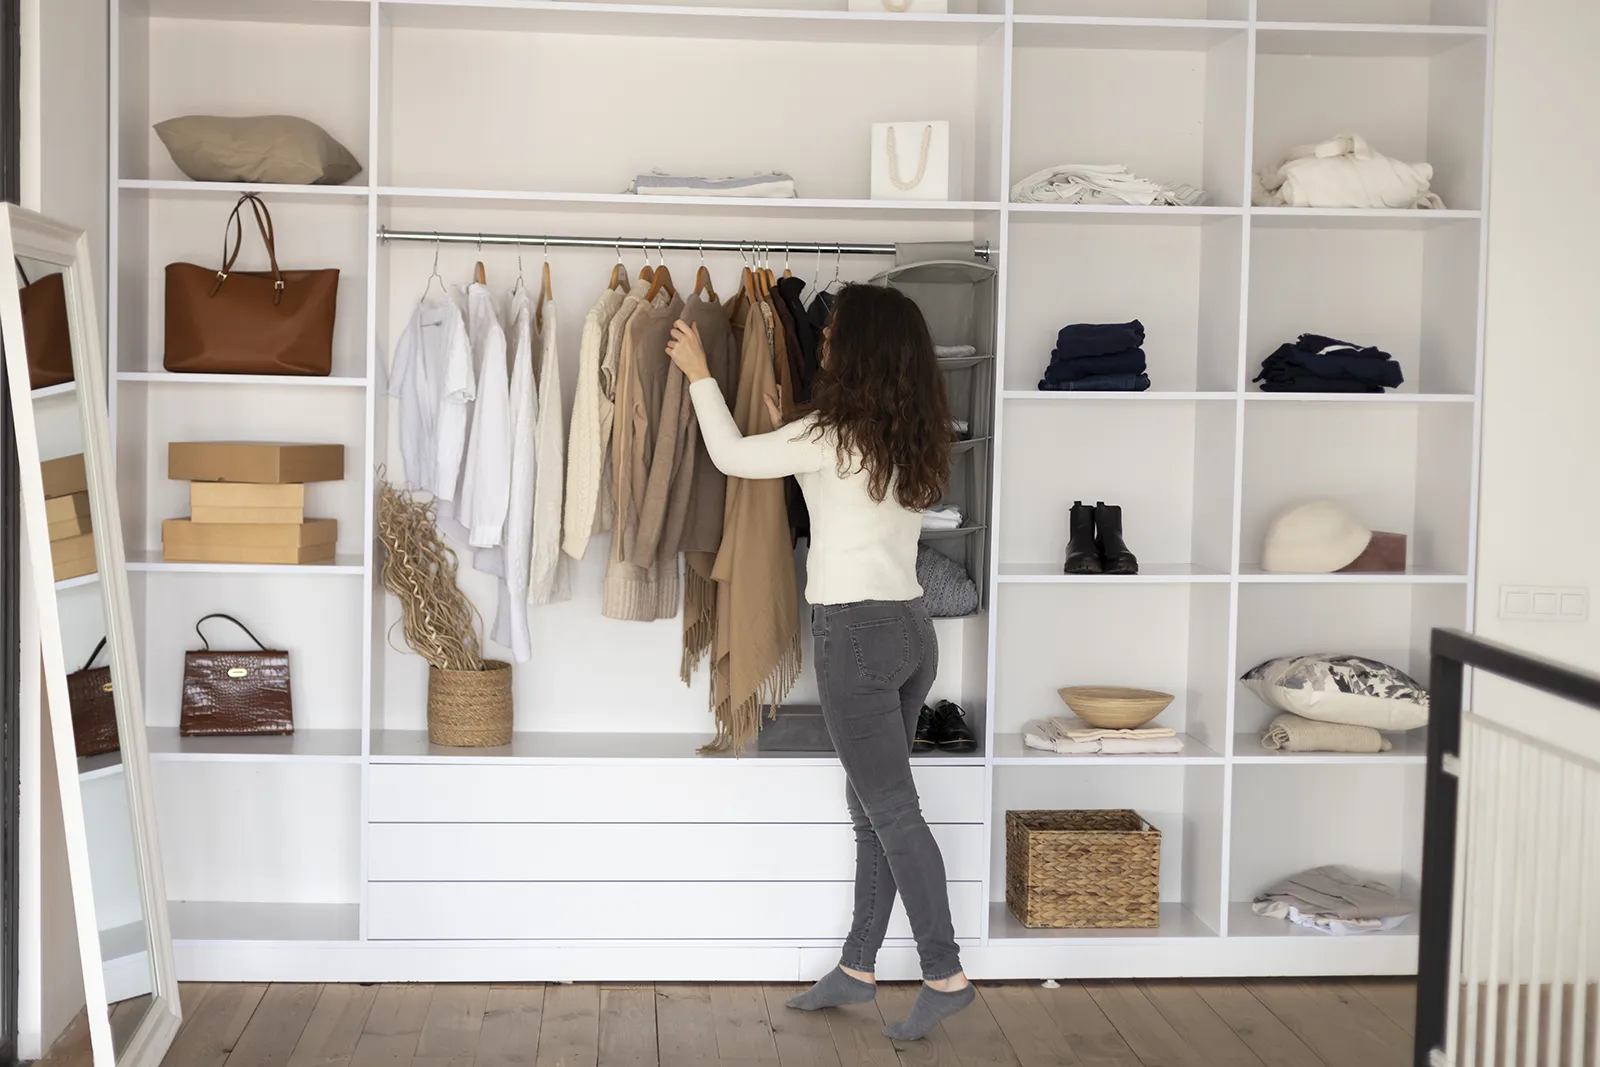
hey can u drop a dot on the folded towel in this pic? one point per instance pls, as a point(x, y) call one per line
point(1048, 735)
point(768, 186)
point(1334, 901)
point(1100, 183)
point(1293, 733)
point(954, 351)
point(944, 517)
point(1102, 383)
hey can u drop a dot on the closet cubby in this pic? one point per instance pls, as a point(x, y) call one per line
point(1398, 469)
point(1167, 463)
point(1411, 290)
point(1165, 101)
point(1184, 802)
point(307, 58)
point(1415, 96)
point(532, 117)
point(1168, 637)
point(1102, 267)
point(1292, 817)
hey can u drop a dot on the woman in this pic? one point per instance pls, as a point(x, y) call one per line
point(872, 454)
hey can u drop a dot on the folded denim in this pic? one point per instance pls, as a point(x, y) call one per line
point(1072, 368)
point(1102, 383)
point(1099, 339)
point(1316, 342)
point(1290, 362)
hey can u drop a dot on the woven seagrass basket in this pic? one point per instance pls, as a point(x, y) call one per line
point(1082, 869)
point(470, 709)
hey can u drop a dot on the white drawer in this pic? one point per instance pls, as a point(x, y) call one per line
point(710, 791)
point(633, 911)
point(746, 852)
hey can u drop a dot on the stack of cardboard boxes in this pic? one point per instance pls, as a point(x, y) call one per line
point(66, 509)
point(247, 502)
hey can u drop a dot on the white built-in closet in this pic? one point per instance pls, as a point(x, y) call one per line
point(600, 846)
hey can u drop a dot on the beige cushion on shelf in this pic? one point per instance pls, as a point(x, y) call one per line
point(1315, 538)
point(263, 148)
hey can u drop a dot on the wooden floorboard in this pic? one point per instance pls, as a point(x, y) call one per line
point(1259, 1023)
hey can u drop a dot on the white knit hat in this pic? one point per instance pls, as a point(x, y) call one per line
point(1315, 538)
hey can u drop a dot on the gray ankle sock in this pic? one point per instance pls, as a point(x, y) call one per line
point(932, 1008)
point(834, 990)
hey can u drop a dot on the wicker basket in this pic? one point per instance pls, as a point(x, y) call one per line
point(470, 709)
point(1082, 869)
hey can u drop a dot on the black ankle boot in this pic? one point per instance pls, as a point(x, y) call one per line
point(1082, 556)
point(1114, 555)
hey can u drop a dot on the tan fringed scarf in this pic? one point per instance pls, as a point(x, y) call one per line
point(756, 649)
point(702, 531)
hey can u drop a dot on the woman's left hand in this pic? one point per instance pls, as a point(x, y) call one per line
point(687, 352)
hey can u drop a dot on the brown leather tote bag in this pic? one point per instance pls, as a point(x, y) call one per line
point(249, 322)
point(94, 712)
point(235, 692)
point(45, 333)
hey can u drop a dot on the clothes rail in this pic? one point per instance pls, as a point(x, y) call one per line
point(676, 244)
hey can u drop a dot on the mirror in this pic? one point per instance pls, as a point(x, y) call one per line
point(72, 538)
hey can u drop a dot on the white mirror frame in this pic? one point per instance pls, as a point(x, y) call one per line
point(29, 235)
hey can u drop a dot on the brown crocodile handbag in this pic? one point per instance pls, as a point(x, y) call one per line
point(94, 713)
point(235, 692)
point(249, 322)
point(45, 333)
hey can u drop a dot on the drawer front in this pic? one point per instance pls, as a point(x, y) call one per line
point(747, 852)
point(633, 911)
point(711, 791)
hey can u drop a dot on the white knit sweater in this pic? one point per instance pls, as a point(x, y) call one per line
point(591, 432)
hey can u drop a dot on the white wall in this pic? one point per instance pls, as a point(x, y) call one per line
point(64, 174)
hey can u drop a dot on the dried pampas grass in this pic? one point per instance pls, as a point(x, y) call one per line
point(439, 622)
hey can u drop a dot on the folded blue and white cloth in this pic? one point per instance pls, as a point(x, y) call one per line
point(770, 186)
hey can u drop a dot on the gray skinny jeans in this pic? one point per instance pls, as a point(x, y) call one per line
point(876, 660)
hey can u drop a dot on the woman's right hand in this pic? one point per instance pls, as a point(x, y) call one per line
point(687, 352)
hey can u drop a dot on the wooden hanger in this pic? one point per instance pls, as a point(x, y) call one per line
point(619, 273)
point(544, 293)
point(647, 273)
point(702, 281)
point(478, 273)
point(662, 280)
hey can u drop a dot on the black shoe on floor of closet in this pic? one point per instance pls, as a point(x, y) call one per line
point(922, 743)
point(1114, 555)
point(949, 730)
point(1082, 555)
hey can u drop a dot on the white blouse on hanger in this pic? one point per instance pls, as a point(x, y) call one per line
point(511, 560)
point(486, 476)
point(432, 377)
point(547, 575)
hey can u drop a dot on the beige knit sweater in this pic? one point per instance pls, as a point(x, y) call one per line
point(589, 443)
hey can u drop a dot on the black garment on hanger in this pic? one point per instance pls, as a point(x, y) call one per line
point(808, 333)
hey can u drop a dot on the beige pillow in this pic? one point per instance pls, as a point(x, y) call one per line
point(264, 148)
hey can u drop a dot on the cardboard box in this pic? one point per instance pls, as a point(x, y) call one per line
point(68, 516)
point(64, 476)
point(73, 557)
point(256, 462)
point(236, 502)
point(310, 542)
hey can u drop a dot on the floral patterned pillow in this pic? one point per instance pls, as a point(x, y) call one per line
point(1352, 690)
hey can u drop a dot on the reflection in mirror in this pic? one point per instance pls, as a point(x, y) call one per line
point(61, 409)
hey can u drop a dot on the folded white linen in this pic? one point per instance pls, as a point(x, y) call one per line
point(954, 351)
point(1079, 730)
point(944, 517)
point(1101, 183)
point(1344, 171)
point(767, 186)
point(1048, 736)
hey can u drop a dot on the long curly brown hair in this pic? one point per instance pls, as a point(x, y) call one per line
point(881, 393)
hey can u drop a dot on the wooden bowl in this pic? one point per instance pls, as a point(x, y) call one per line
point(1114, 707)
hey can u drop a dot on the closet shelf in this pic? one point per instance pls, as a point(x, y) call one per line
point(1149, 574)
point(412, 746)
point(967, 444)
point(291, 12)
point(1363, 218)
point(49, 391)
point(1360, 398)
point(227, 920)
point(149, 561)
point(303, 746)
point(1124, 34)
point(1010, 751)
point(79, 582)
point(159, 377)
point(278, 191)
point(1410, 747)
point(723, 206)
point(1361, 39)
point(694, 21)
point(1175, 921)
point(102, 766)
point(942, 535)
point(963, 362)
point(1253, 574)
point(1051, 396)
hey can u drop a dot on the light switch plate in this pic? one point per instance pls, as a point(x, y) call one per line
point(1544, 603)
